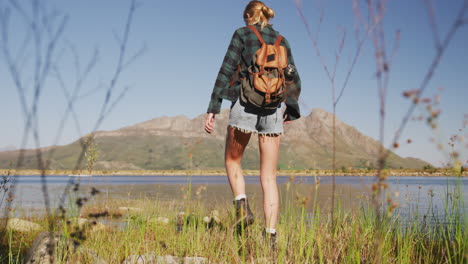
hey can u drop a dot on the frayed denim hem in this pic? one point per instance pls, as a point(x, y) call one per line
point(265, 134)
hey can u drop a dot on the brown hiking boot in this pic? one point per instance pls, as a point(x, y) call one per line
point(244, 216)
point(271, 240)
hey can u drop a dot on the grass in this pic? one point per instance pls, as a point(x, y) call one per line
point(306, 233)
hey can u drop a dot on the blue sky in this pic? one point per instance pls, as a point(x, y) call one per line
point(186, 41)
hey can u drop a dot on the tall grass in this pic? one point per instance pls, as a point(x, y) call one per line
point(307, 234)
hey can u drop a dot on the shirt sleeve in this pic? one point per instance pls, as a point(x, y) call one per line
point(293, 89)
point(226, 73)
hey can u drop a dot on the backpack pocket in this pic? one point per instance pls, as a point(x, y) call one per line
point(269, 96)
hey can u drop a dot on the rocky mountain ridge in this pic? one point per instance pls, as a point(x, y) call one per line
point(181, 143)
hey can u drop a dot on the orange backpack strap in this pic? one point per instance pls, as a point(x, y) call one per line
point(257, 34)
point(236, 77)
point(278, 41)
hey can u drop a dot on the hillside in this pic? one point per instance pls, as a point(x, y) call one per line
point(181, 143)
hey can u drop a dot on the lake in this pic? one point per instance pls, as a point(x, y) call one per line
point(415, 195)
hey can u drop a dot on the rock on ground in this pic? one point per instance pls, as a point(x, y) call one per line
point(42, 249)
point(195, 260)
point(160, 220)
point(153, 259)
point(22, 225)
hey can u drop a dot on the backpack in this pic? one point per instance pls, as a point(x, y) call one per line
point(265, 85)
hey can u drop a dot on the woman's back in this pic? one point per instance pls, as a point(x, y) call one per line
point(245, 43)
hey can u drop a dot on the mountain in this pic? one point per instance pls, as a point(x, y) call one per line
point(181, 143)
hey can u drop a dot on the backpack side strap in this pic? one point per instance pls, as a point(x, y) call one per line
point(236, 77)
point(277, 45)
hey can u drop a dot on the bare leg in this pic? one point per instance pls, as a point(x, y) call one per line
point(236, 141)
point(269, 152)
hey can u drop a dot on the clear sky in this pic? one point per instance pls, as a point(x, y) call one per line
point(186, 41)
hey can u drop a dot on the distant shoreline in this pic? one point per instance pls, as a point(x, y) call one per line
point(321, 173)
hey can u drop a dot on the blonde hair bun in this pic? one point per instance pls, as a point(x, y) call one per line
point(256, 12)
point(268, 12)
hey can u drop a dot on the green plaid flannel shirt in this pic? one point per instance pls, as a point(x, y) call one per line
point(243, 46)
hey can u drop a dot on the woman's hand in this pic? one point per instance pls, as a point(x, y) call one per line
point(209, 123)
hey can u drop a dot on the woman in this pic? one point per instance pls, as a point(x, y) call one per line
point(246, 119)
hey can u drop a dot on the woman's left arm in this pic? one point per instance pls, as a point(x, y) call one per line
point(293, 89)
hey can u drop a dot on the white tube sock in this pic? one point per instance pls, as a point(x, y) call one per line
point(240, 196)
point(270, 230)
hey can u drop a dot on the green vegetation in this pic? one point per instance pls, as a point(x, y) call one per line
point(92, 152)
point(429, 168)
point(149, 152)
point(306, 233)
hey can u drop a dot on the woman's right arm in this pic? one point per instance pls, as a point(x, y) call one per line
point(226, 73)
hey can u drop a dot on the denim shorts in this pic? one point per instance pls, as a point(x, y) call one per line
point(250, 119)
